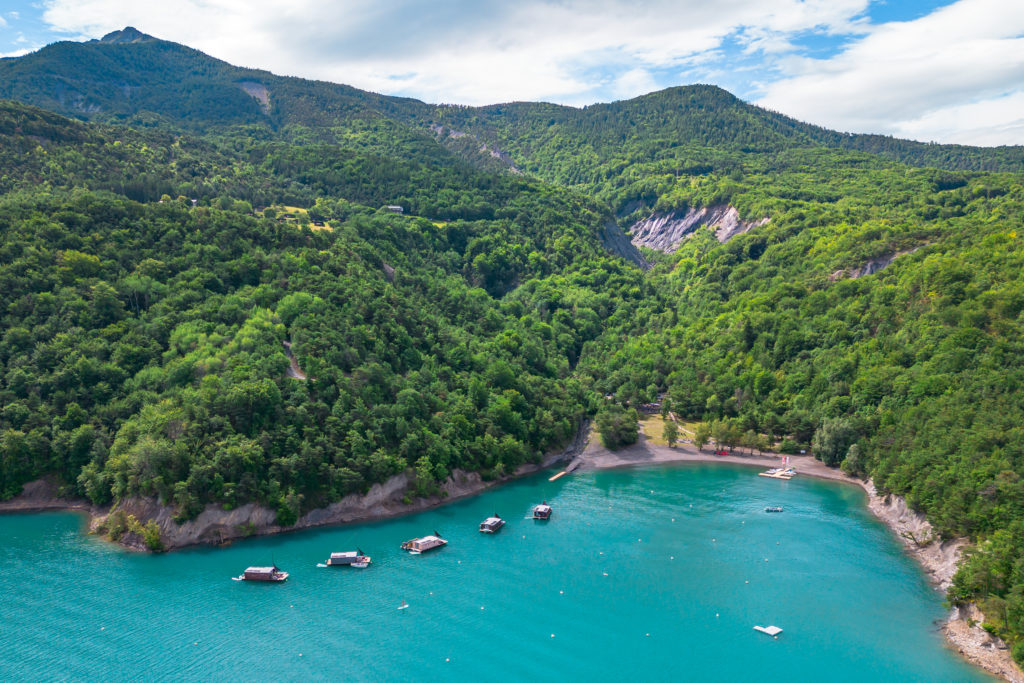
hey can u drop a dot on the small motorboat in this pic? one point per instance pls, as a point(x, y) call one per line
point(773, 508)
point(542, 511)
point(492, 525)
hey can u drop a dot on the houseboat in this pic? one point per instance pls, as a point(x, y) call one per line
point(351, 558)
point(542, 511)
point(422, 545)
point(492, 524)
point(269, 574)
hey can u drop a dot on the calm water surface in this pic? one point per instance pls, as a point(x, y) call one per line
point(653, 574)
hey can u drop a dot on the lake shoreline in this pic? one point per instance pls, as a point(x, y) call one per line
point(937, 558)
point(216, 526)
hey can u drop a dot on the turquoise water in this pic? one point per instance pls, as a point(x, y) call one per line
point(593, 594)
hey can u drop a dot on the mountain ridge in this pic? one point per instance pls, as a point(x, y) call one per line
point(127, 73)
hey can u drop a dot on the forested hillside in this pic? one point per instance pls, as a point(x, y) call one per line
point(142, 342)
point(876, 318)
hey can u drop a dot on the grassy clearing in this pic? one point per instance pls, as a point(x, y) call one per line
point(299, 211)
point(654, 425)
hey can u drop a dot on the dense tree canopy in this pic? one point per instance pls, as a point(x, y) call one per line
point(876, 318)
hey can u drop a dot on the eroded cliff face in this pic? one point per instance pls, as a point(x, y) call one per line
point(392, 498)
point(940, 560)
point(938, 557)
point(214, 525)
point(665, 231)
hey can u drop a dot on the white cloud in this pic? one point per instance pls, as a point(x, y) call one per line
point(918, 78)
point(950, 76)
point(470, 51)
point(3, 22)
point(16, 53)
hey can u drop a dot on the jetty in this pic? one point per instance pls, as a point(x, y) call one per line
point(773, 631)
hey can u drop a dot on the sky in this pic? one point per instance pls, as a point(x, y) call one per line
point(947, 71)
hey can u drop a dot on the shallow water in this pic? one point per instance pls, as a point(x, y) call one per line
point(654, 574)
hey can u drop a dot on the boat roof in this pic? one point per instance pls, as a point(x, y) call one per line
point(430, 538)
point(492, 520)
point(770, 630)
point(542, 506)
point(261, 570)
point(349, 553)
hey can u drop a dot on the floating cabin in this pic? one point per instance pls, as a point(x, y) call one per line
point(542, 511)
point(272, 574)
point(352, 558)
point(491, 525)
point(422, 545)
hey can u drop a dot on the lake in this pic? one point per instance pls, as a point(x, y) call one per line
point(654, 574)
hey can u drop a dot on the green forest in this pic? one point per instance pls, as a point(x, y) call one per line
point(875, 317)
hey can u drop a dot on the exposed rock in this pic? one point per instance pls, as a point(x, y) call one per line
point(665, 231)
point(42, 494)
point(293, 371)
point(616, 241)
point(871, 267)
point(258, 92)
point(215, 525)
point(445, 134)
point(978, 646)
point(129, 34)
point(939, 558)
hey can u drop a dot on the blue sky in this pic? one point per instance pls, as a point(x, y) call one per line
point(942, 70)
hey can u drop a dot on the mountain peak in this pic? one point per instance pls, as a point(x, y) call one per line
point(129, 34)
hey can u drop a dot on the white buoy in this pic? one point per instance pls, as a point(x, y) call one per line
point(447, 659)
point(606, 573)
point(552, 635)
point(561, 592)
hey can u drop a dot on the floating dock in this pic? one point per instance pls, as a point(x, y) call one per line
point(778, 473)
point(773, 631)
point(558, 476)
